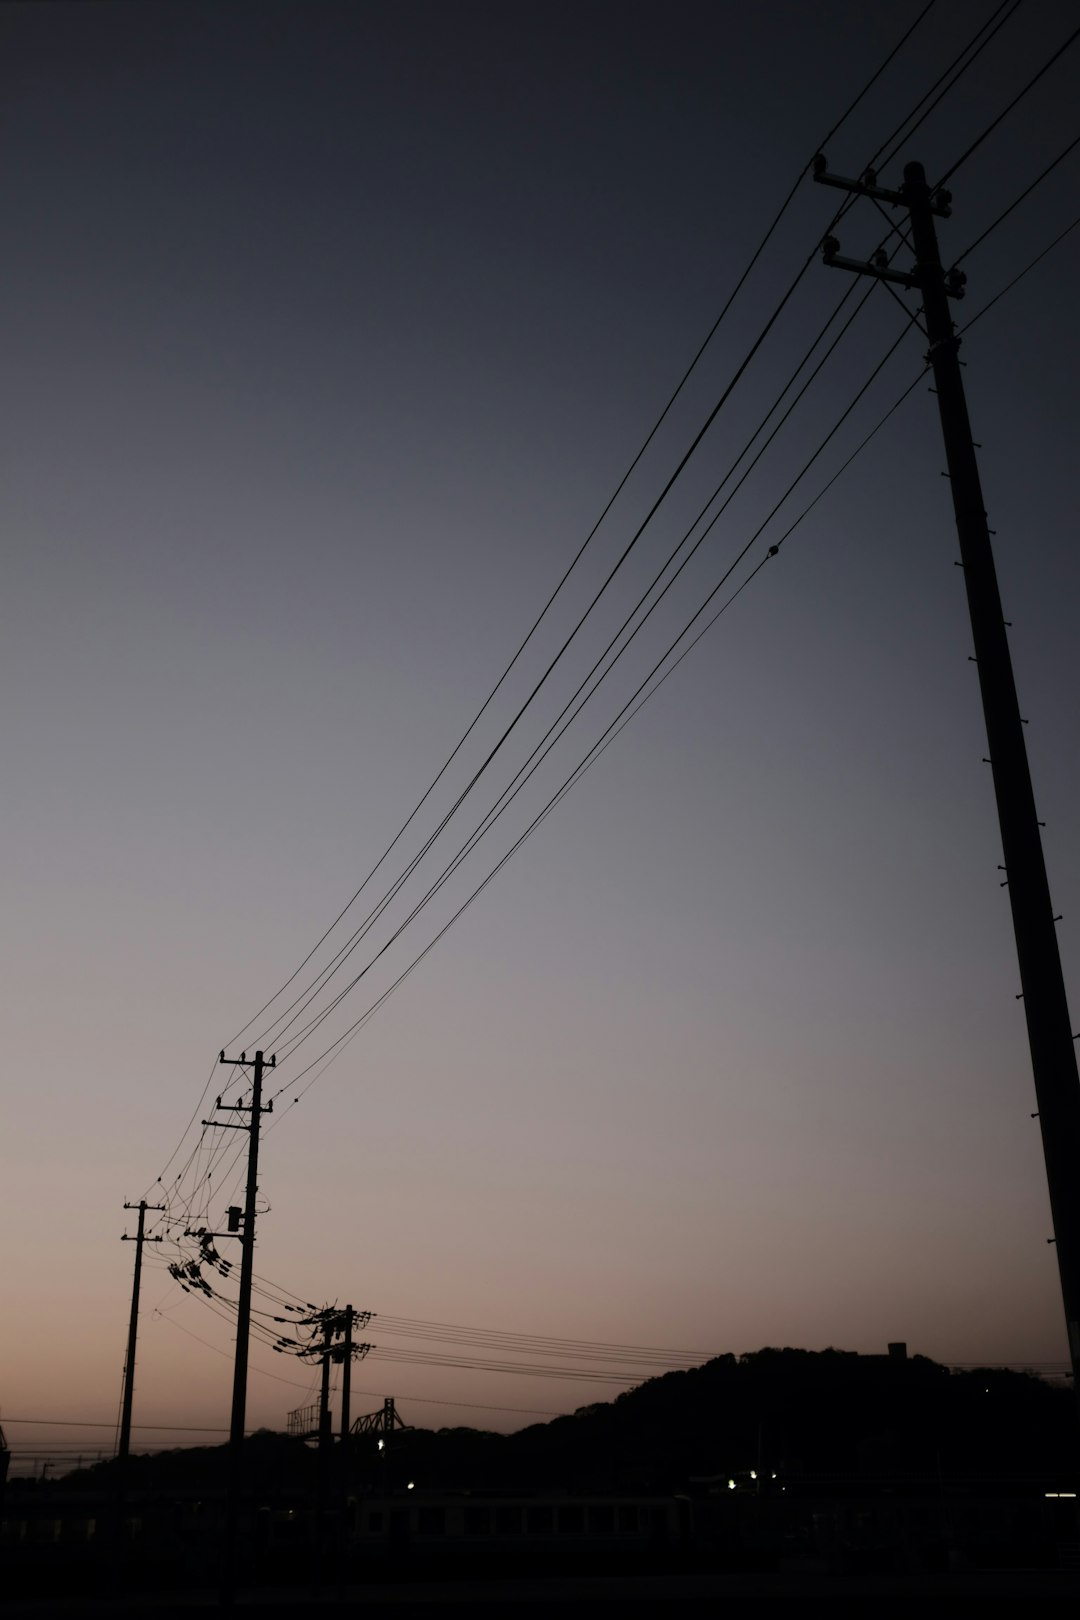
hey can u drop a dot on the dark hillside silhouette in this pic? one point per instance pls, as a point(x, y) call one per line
point(787, 1411)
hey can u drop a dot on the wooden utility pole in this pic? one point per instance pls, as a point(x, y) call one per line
point(246, 1234)
point(325, 1428)
point(1050, 1034)
point(123, 1450)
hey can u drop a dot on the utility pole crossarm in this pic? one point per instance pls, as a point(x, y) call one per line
point(878, 266)
point(867, 186)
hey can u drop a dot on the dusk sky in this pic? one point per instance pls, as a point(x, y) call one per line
point(331, 329)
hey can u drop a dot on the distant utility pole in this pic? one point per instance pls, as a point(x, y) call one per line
point(348, 1316)
point(124, 1447)
point(333, 1324)
point(133, 1326)
point(325, 1429)
point(1050, 1035)
point(246, 1234)
point(346, 1387)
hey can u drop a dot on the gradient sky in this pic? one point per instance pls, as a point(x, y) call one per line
point(330, 330)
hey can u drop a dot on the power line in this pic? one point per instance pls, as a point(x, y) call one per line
point(278, 1378)
point(504, 1337)
point(997, 297)
point(944, 85)
point(914, 383)
point(336, 962)
point(639, 531)
point(598, 750)
point(462, 1363)
point(82, 1423)
point(592, 758)
point(966, 64)
point(742, 279)
point(889, 58)
point(906, 129)
point(400, 1323)
point(464, 1341)
point(347, 1034)
point(990, 128)
point(524, 772)
point(336, 1047)
point(187, 1127)
point(474, 1406)
point(582, 1375)
point(1009, 285)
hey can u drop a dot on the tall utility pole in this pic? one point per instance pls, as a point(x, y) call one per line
point(246, 1235)
point(1050, 1036)
point(124, 1447)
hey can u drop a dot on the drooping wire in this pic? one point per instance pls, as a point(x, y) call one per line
point(907, 34)
point(922, 14)
point(888, 59)
point(505, 1336)
point(493, 1362)
point(996, 21)
point(496, 1339)
point(338, 1047)
point(524, 775)
point(353, 1029)
point(635, 538)
point(595, 754)
point(278, 1377)
point(583, 1375)
point(603, 744)
point(184, 1132)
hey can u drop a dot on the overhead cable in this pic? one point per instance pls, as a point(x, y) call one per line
point(353, 1029)
point(651, 435)
point(962, 62)
point(990, 128)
